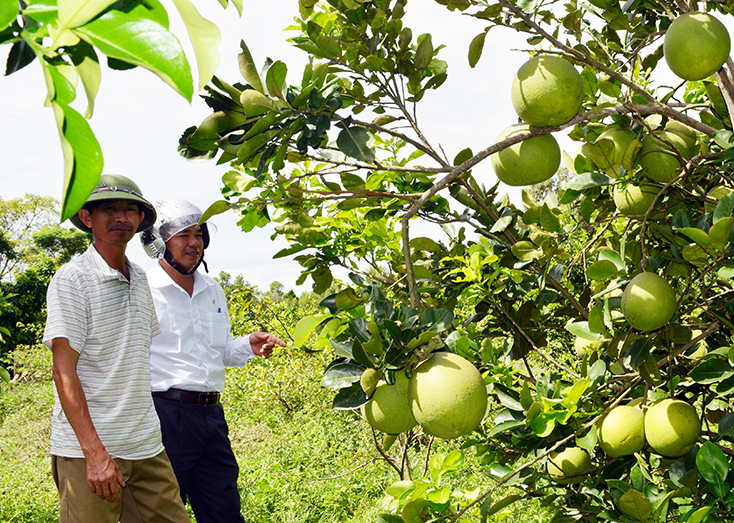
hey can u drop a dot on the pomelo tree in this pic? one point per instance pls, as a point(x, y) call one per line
point(339, 162)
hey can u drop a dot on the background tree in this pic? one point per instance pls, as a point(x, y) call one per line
point(38, 249)
point(510, 287)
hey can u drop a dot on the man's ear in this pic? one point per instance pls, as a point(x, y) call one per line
point(85, 216)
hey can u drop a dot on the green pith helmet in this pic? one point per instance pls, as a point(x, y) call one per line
point(118, 187)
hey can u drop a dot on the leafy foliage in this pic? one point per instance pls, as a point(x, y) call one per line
point(513, 284)
point(67, 36)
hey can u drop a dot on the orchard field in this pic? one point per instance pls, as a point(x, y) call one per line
point(594, 311)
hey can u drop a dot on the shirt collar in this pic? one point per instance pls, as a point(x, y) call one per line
point(105, 272)
point(158, 278)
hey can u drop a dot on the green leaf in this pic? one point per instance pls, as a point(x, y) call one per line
point(415, 511)
point(215, 208)
point(330, 46)
point(424, 52)
point(239, 182)
point(82, 154)
point(275, 79)
point(602, 270)
point(700, 514)
point(719, 233)
point(73, 13)
point(504, 503)
point(525, 251)
point(697, 235)
point(635, 505)
point(87, 66)
point(4, 375)
point(712, 371)
point(255, 103)
point(724, 208)
point(586, 181)
point(205, 38)
point(548, 219)
point(341, 376)
point(248, 69)
point(713, 466)
point(8, 12)
point(637, 352)
point(475, 48)
point(350, 398)
point(306, 326)
point(134, 36)
point(612, 256)
point(352, 141)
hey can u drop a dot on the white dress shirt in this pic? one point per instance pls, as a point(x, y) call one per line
point(195, 343)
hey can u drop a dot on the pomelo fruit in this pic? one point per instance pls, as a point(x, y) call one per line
point(621, 138)
point(662, 163)
point(622, 431)
point(447, 395)
point(572, 460)
point(389, 409)
point(696, 45)
point(672, 427)
point(687, 134)
point(547, 90)
point(648, 302)
point(528, 162)
point(634, 199)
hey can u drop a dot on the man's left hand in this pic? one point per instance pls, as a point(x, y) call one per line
point(263, 343)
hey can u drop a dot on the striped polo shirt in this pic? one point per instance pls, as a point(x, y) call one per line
point(109, 321)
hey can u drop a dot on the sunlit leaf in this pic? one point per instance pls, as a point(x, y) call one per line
point(73, 13)
point(205, 38)
point(135, 37)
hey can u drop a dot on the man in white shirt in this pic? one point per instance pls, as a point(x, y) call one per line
point(107, 455)
point(187, 362)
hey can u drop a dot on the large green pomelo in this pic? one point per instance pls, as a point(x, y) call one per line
point(389, 408)
point(621, 138)
point(447, 395)
point(662, 163)
point(686, 133)
point(648, 302)
point(547, 90)
point(572, 460)
point(696, 45)
point(672, 427)
point(634, 199)
point(622, 431)
point(528, 162)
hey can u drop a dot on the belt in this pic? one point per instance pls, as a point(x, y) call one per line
point(203, 399)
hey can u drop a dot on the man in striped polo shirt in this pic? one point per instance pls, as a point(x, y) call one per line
point(107, 454)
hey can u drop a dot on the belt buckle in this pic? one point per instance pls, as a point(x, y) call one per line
point(207, 399)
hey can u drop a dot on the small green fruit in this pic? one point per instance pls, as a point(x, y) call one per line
point(634, 199)
point(572, 461)
point(672, 427)
point(622, 431)
point(648, 302)
point(389, 409)
point(448, 396)
point(528, 162)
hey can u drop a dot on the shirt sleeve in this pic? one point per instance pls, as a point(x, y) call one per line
point(67, 312)
point(237, 351)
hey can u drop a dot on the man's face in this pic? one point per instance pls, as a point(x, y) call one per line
point(114, 221)
point(186, 246)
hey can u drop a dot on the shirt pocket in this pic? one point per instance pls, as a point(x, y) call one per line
point(219, 329)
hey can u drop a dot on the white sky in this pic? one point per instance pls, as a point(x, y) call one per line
point(138, 120)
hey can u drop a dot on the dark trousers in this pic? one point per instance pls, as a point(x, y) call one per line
point(197, 443)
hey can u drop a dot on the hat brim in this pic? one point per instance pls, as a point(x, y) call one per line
point(148, 219)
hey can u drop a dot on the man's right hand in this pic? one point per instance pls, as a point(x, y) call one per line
point(104, 476)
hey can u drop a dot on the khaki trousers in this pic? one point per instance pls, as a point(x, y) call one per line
point(151, 493)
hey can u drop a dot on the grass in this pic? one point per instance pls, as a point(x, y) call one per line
point(300, 461)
